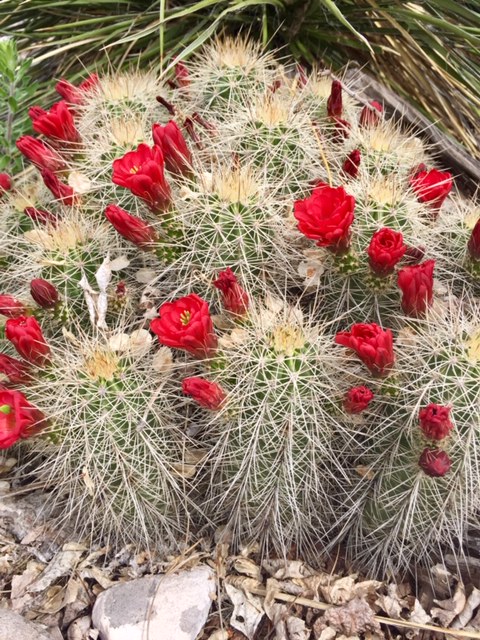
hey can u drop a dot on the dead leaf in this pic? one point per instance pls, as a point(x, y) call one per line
point(448, 609)
point(287, 627)
point(342, 590)
point(61, 565)
point(79, 629)
point(247, 567)
point(352, 618)
point(466, 614)
point(419, 615)
point(247, 611)
point(282, 570)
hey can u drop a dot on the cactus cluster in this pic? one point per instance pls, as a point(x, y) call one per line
point(241, 297)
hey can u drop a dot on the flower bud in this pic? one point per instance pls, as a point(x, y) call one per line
point(435, 421)
point(357, 399)
point(235, 299)
point(132, 228)
point(10, 307)
point(26, 336)
point(352, 162)
point(334, 102)
point(169, 138)
point(16, 371)
point(182, 74)
point(5, 183)
point(432, 187)
point(44, 293)
point(416, 284)
point(370, 115)
point(60, 190)
point(41, 216)
point(40, 154)
point(473, 245)
point(434, 462)
point(208, 395)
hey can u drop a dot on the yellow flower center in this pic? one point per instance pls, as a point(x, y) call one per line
point(185, 317)
point(5, 409)
point(134, 169)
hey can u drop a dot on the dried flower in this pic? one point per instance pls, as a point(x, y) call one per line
point(334, 102)
point(352, 162)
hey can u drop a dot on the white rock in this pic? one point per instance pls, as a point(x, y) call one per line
point(13, 626)
point(173, 607)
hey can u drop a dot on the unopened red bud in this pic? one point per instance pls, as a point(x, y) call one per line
point(370, 115)
point(434, 462)
point(44, 293)
point(10, 307)
point(335, 102)
point(352, 163)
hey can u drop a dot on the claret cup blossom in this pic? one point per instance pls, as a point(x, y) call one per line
point(372, 344)
point(26, 336)
point(432, 187)
point(386, 249)
point(18, 418)
point(416, 283)
point(235, 299)
point(57, 123)
point(73, 94)
point(142, 171)
point(326, 216)
point(169, 138)
point(186, 324)
point(208, 395)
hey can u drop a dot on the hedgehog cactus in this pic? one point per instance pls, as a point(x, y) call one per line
point(312, 280)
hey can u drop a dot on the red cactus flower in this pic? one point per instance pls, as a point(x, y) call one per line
point(57, 123)
point(435, 421)
point(372, 344)
point(10, 307)
point(370, 117)
point(208, 395)
point(73, 94)
point(26, 336)
point(44, 293)
point(186, 324)
point(235, 299)
point(41, 216)
point(17, 372)
point(60, 190)
point(416, 283)
point(18, 418)
point(40, 154)
point(5, 183)
point(434, 462)
point(432, 187)
point(326, 216)
point(182, 74)
point(132, 228)
point(142, 171)
point(352, 163)
point(335, 102)
point(169, 138)
point(357, 399)
point(473, 245)
point(385, 250)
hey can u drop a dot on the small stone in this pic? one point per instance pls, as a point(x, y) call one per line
point(167, 606)
point(13, 625)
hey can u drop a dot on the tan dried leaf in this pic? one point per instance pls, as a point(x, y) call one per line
point(466, 614)
point(352, 618)
point(247, 611)
point(282, 570)
point(247, 567)
point(449, 609)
